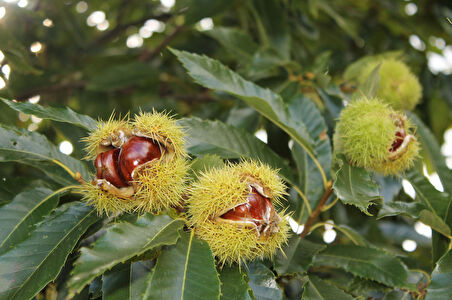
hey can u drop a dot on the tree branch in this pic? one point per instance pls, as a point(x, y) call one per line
point(146, 55)
point(315, 214)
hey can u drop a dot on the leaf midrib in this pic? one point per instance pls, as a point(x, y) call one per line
point(184, 278)
point(52, 250)
point(29, 213)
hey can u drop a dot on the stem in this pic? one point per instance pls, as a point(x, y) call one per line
point(427, 275)
point(337, 227)
point(317, 211)
point(303, 196)
point(77, 176)
point(327, 207)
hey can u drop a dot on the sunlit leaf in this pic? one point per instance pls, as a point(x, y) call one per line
point(29, 266)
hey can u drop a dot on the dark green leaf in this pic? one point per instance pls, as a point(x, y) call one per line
point(214, 137)
point(234, 285)
point(316, 288)
point(440, 287)
point(16, 54)
point(20, 215)
point(355, 186)
point(53, 113)
point(29, 266)
point(275, 23)
point(235, 41)
point(120, 76)
point(297, 256)
point(185, 271)
point(126, 281)
point(199, 9)
point(121, 242)
point(366, 262)
point(34, 149)
point(262, 282)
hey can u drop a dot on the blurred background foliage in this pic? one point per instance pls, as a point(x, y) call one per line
point(99, 57)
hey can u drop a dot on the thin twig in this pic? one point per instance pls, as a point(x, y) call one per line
point(145, 56)
point(317, 211)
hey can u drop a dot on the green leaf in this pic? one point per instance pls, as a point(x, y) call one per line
point(435, 201)
point(304, 110)
point(352, 235)
point(34, 149)
point(20, 215)
point(185, 271)
point(120, 76)
point(121, 242)
point(234, 285)
point(36, 261)
point(66, 114)
point(262, 282)
point(297, 256)
point(431, 219)
point(212, 74)
point(274, 20)
point(410, 209)
point(370, 87)
point(342, 22)
point(204, 163)
point(316, 288)
point(440, 287)
point(355, 186)
point(199, 9)
point(367, 263)
point(126, 281)
point(16, 54)
point(214, 137)
point(236, 41)
point(433, 151)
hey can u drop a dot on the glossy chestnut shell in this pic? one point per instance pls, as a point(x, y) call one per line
point(116, 165)
point(258, 209)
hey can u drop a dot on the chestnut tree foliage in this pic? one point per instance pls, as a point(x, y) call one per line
point(283, 67)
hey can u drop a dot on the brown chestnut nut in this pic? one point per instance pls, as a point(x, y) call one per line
point(107, 168)
point(137, 151)
point(258, 210)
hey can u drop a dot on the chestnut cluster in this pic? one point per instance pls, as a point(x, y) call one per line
point(140, 164)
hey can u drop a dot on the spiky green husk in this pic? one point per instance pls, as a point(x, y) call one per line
point(219, 190)
point(103, 201)
point(366, 131)
point(161, 126)
point(216, 191)
point(231, 244)
point(103, 130)
point(398, 87)
point(161, 185)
